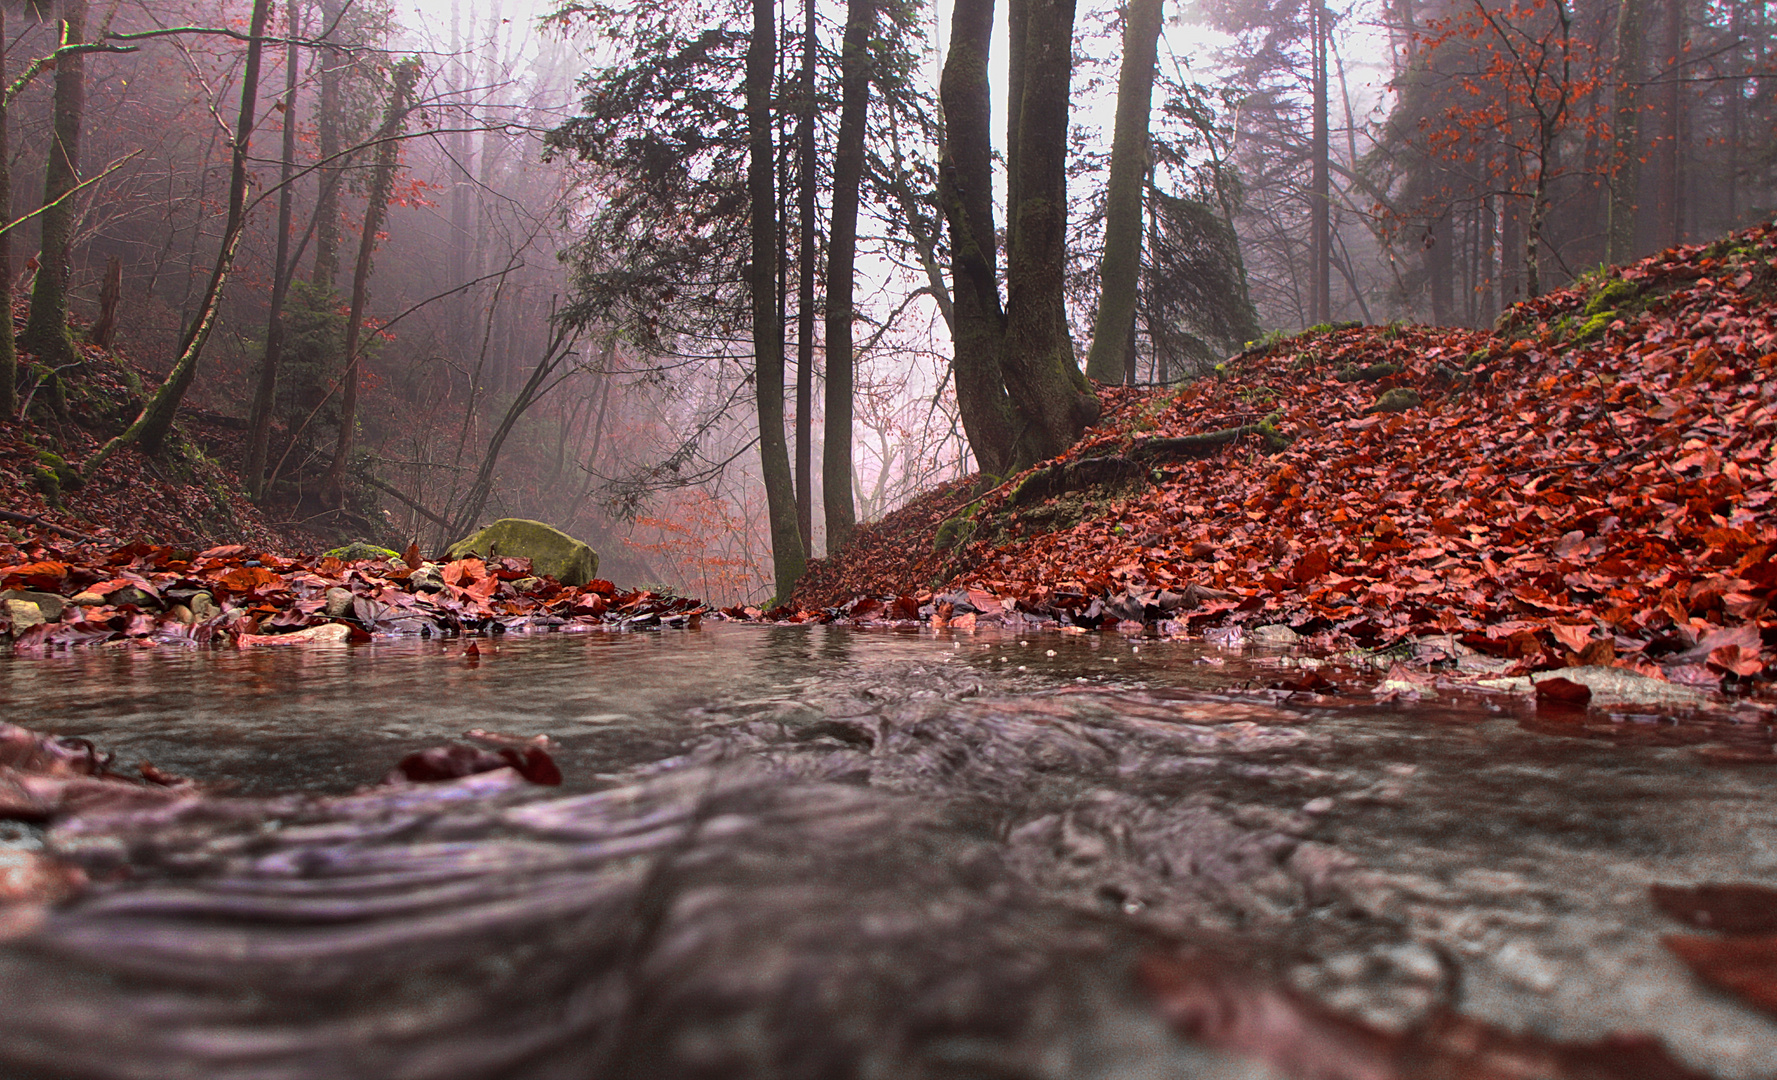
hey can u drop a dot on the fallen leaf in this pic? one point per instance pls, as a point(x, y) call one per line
point(1731, 909)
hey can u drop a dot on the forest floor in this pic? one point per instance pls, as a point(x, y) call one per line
point(1589, 486)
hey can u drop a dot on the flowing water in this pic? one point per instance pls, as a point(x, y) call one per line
point(820, 852)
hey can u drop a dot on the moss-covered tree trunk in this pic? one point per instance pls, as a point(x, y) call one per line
point(1037, 358)
point(842, 249)
point(1119, 268)
point(155, 422)
point(46, 328)
point(787, 554)
point(965, 186)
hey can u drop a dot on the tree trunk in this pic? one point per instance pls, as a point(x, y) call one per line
point(1735, 105)
point(265, 390)
point(842, 249)
point(1036, 358)
point(9, 366)
point(1440, 265)
point(1119, 269)
point(462, 193)
point(110, 296)
point(46, 328)
point(805, 243)
point(382, 182)
point(328, 122)
point(150, 429)
point(1320, 197)
point(1017, 32)
point(558, 350)
point(965, 188)
point(787, 554)
point(1671, 177)
point(1511, 239)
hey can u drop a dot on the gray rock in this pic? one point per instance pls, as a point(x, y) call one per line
point(203, 606)
point(1276, 634)
point(428, 578)
point(552, 552)
point(134, 597)
point(1609, 685)
point(50, 604)
point(339, 603)
point(24, 614)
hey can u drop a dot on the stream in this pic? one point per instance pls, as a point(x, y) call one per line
point(820, 852)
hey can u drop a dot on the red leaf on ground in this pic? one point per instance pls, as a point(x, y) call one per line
point(1314, 563)
point(1737, 660)
point(1573, 636)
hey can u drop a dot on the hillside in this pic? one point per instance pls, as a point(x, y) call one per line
point(190, 497)
point(1592, 482)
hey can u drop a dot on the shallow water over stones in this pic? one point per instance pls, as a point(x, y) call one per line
point(808, 852)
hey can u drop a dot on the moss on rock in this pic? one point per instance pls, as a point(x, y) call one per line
point(553, 553)
point(360, 551)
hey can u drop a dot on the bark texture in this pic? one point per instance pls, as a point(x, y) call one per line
point(1036, 358)
point(965, 185)
point(328, 122)
point(842, 249)
point(265, 388)
point(1119, 269)
point(9, 368)
point(154, 424)
point(46, 328)
point(382, 183)
point(787, 554)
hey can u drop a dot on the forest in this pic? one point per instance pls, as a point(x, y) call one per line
point(1221, 539)
point(707, 284)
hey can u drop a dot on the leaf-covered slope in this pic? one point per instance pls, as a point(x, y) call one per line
point(1596, 478)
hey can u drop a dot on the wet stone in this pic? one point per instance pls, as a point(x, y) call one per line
point(339, 603)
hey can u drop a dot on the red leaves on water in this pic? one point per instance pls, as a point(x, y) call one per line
point(1218, 1003)
point(453, 761)
point(1560, 695)
point(1744, 966)
point(1309, 682)
point(1743, 963)
point(1730, 909)
point(25, 751)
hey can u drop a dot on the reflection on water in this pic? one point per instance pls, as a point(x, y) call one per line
point(335, 718)
point(926, 845)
